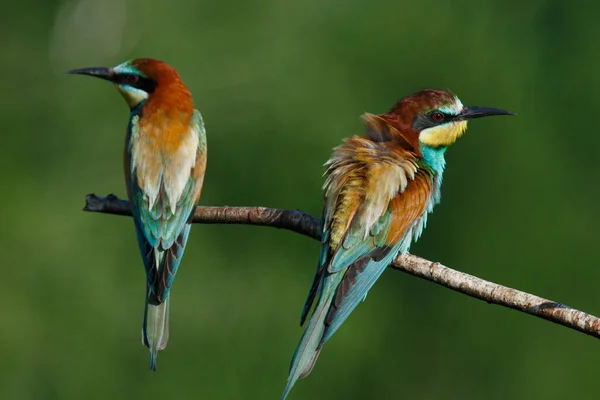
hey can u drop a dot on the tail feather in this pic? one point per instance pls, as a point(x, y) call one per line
point(309, 347)
point(155, 331)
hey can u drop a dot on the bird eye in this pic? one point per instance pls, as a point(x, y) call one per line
point(132, 78)
point(437, 116)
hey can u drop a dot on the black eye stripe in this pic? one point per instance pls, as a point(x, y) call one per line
point(439, 116)
point(431, 119)
point(146, 84)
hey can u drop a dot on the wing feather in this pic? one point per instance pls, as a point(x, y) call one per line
point(373, 192)
point(359, 274)
point(163, 225)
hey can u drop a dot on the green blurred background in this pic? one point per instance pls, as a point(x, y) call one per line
point(279, 84)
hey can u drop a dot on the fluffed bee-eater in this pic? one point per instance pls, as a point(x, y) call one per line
point(379, 189)
point(165, 160)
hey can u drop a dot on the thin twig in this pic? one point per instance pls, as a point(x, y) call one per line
point(305, 224)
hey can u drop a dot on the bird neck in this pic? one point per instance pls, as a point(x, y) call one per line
point(434, 158)
point(135, 110)
point(169, 103)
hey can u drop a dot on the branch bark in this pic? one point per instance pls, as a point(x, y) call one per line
point(305, 224)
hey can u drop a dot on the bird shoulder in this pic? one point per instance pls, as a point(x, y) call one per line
point(363, 178)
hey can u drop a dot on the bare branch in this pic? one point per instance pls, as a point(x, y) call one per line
point(305, 224)
point(292, 220)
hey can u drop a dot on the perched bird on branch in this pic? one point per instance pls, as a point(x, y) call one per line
point(379, 189)
point(165, 160)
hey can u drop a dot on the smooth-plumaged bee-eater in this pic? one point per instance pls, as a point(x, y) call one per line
point(379, 189)
point(165, 160)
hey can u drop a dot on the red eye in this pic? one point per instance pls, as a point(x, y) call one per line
point(132, 78)
point(438, 116)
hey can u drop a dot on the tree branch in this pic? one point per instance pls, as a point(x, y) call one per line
point(305, 224)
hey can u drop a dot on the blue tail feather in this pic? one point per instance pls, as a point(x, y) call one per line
point(308, 349)
point(328, 315)
point(155, 330)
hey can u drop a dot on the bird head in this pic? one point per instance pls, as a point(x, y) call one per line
point(437, 117)
point(138, 79)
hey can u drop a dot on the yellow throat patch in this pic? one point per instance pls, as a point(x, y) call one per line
point(443, 135)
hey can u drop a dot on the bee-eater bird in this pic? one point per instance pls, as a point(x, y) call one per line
point(165, 160)
point(379, 189)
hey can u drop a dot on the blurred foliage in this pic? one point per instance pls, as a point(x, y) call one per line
point(279, 84)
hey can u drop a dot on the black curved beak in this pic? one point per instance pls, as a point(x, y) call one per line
point(98, 72)
point(472, 112)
